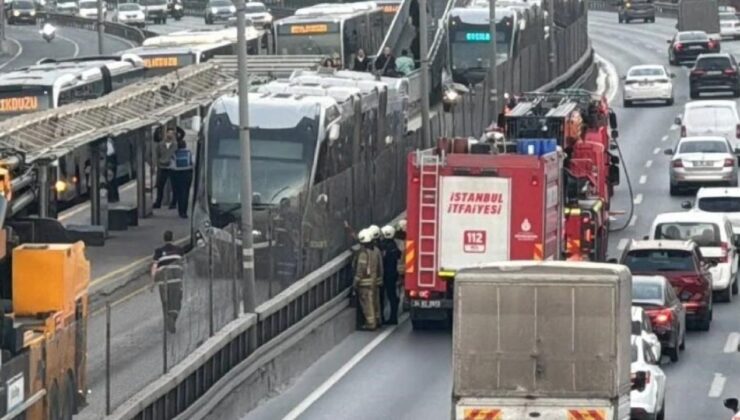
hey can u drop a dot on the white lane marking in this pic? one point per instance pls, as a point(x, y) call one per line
point(733, 339)
point(643, 179)
point(648, 163)
point(612, 77)
point(339, 374)
point(664, 138)
point(75, 44)
point(622, 244)
point(17, 53)
point(718, 384)
point(674, 127)
point(638, 199)
point(633, 221)
point(656, 150)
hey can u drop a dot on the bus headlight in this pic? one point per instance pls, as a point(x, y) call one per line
point(60, 186)
point(16, 13)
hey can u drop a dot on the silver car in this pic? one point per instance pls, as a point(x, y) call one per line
point(130, 14)
point(701, 161)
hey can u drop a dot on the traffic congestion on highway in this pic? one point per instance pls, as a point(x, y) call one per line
point(573, 252)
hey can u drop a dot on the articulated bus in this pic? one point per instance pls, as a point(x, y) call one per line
point(469, 38)
point(54, 83)
point(329, 29)
point(166, 53)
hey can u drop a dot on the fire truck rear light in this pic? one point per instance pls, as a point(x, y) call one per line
point(425, 294)
point(535, 182)
point(415, 180)
point(413, 293)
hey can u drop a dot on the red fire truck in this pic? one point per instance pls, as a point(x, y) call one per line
point(543, 193)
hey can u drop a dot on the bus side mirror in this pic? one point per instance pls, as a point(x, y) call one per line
point(334, 133)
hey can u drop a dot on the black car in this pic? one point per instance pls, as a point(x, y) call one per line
point(714, 73)
point(21, 11)
point(219, 10)
point(630, 10)
point(687, 46)
point(655, 295)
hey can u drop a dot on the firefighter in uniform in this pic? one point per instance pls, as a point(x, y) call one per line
point(167, 273)
point(375, 233)
point(368, 269)
point(391, 256)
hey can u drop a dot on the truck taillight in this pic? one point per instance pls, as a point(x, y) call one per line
point(725, 247)
point(425, 294)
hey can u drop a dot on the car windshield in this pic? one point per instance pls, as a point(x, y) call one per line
point(129, 7)
point(720, 204)
point(651, 260)
point(727, 16)
point(713, 63)
point(704, 146)
point(88, 5)
point(220, 3)
point(704, 234)
point(153, 2)
point(711, 116)
point(693, 36)
point(636, 328)
point(642, 290)
point(24, 5)
point(255, 8)
point(650, 71)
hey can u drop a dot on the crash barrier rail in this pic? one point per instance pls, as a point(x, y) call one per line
point(211, 371)
point(119, 30)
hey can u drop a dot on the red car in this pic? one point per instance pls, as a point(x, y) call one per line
point(682, 264)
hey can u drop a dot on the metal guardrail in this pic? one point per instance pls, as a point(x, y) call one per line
point(173, 394)
point(120, 30)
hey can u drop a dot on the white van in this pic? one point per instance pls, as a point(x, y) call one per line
point(711, 118)
point(713, 233)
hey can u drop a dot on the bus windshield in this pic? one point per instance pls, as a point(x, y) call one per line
point(318, 44)
point(470, 45)
point(17, 100)
point(281, 162)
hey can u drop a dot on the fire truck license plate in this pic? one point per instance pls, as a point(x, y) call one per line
point(474, 241)
point(426, 303)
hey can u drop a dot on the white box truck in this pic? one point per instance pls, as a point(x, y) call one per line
point(544, 340)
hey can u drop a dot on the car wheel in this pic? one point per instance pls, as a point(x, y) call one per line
point(669, 101)
point(673, 190)
point(734, 286)
point(646, 20)
point(725, 295)
point(736, 93)
point(673, 354)
point(620, 19)
point(661, 413)
point(694, 94)
point(627, 103)
point(706, 323)
point(626, 20)
point(682, 346)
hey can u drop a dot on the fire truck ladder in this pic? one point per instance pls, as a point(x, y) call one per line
point(428, 201)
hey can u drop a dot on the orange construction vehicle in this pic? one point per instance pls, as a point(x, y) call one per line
point(44, 290)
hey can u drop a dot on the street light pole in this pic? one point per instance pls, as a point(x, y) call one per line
point(101, 27)
point(424, 53)
point(248, 294)
point(492, 73)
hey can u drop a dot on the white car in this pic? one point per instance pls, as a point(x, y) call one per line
point(718, 200)
point(699, 161)
point(717, 244)
point(642, 327)
point(711, 118)
point(259, 14)
point(130, 14)
point(650, 402)
point(89, 9)
point(729, 25)
point(650, 82)
point(69, 7)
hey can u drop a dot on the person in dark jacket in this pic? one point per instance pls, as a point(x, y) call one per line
point(165, 154)
point(386, 63)
point(167, 273)
point(362, 63)
point(391, 256)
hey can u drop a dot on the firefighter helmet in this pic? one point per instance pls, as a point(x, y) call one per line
point(374, 231)
point(402, 225)
point(365, 237)
point(388, 232)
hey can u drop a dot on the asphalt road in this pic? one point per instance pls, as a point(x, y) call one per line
point(402, 374)
point(29, 47)
point(187, 22)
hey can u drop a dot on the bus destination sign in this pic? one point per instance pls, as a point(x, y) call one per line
point(161, 62)
point(19, 104)
point(391, 8)
point(319, 28)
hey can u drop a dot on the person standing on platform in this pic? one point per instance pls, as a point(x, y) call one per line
point(165, 155)
point(181, 175)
